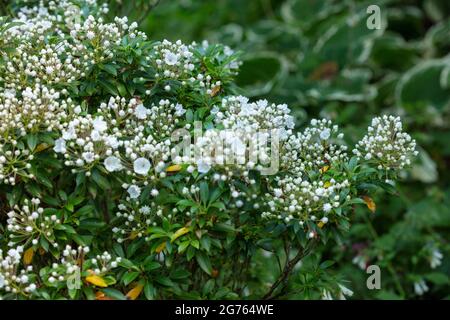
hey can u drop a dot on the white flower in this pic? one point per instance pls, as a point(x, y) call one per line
point(345, 291)
point(60, 146)
point(134, 191)
point(278, 192)
point(237, 146)
point(2, 281)
point(436, 259)
point(179, 110)
point(88, 156)
point(112, 142)
point(99, 124)
point(69, 134)
point(141, 112)
point(112, 164)
point(141, 166)
point(90, 35)
point(203, 166)
point(145, 210)
point(171, 58)
point(326, 295)
point(420, 287)
point(327, 207)
point(325, 134)
point(95, 135)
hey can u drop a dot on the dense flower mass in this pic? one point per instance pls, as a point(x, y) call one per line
point(92, 115)
point(387, 144)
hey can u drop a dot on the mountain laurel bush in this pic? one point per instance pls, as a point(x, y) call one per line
point(93, 204)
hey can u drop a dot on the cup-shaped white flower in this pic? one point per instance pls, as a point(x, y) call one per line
point(141, 112)
point(203, 166)
point(141, 166)
point(170, 58)
point(99, 124)
point(112, 164)
point(134, 191)
point(60, 146)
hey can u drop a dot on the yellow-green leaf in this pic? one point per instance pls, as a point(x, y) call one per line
point(161, 247)
point(96, 280)
point(134, 293)
point(174, 168)
point(324, 169)
point(215, 91)
point(179, 233)
point(28, 256)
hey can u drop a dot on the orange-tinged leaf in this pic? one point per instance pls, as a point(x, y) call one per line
point(370, 203)
point(41, 147)
point(326, 70)
point(134, 293)
point(215, 91)
point(133, 235)
point(214, 273)
point(101, 296)
point(96, 280)
point(174, 168)
point(28, 256)
point(324, 169)
point(161, 247)
point(179, 233)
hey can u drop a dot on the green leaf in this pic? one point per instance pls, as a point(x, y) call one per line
point(438, 278)
point(32, 141)
point(164, 281)
point(129, 277)
point(101, 181)
point(152, 266)
point(110, 68)
point(149, 291)
point(114, 293)
point(204, 262)
point(204, 192)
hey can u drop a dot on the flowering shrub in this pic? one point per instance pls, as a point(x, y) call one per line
point(97, 202)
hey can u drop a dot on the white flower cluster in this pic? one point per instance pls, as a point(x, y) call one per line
point(69, 266)
point(133, 220)
point(297, 198)
point(174, 61)
point(119, 137)
point(12, 278)
point(386, 144)
point(237, 113)
point(85, 141)
point(242, 138)
point(103, 263)
point(62, 60)
point(13, 163)
point(178, 61)
point(314, 148)
point(38, 108)
point(29, 223)
point(74, 261)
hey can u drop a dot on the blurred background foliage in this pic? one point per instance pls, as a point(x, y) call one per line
point(320, 58)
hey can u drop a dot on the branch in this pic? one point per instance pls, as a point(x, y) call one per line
point(284, 276)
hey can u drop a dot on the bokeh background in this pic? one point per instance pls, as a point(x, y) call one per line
point(320, 57)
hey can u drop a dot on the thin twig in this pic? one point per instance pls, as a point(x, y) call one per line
point(284, 276)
